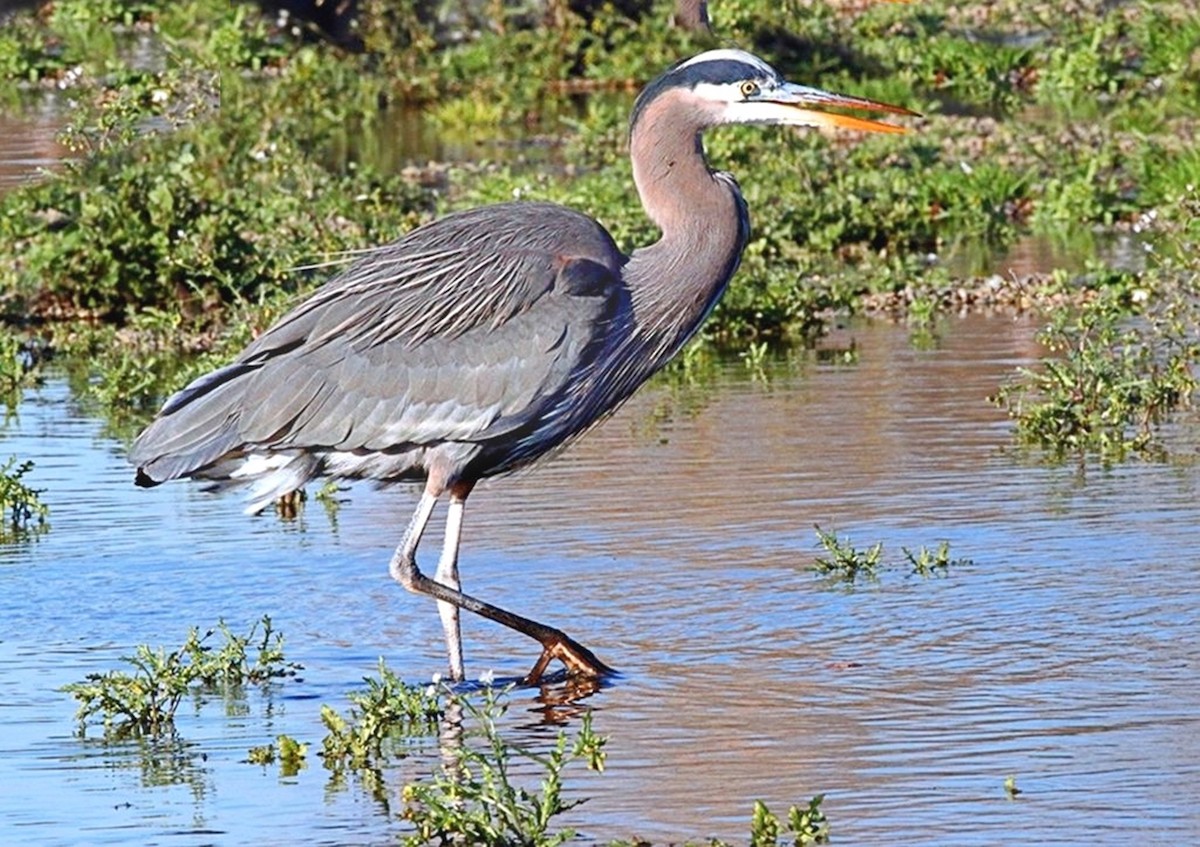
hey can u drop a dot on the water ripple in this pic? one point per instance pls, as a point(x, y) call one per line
point(677, 541)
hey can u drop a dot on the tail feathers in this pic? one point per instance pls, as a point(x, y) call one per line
point(197, 427)
point(267, 477)
point(198, 434)
point(163, 451)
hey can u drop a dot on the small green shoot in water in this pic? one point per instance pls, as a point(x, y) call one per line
point(1010, 786)
point(845, 560)
point(24, 512)
point(286, 750)
point(755, 358)
point(804, 825)
point(927, 563)
point(144, 702)
point(19, 367)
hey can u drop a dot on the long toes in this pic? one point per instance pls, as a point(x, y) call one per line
point(578, 660)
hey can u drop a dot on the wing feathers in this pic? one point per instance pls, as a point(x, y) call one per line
point(464, 329)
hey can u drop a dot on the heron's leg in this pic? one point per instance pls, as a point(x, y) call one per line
point(556, 644)
point(447, 575)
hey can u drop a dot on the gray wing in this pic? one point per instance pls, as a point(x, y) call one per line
point(463, 330)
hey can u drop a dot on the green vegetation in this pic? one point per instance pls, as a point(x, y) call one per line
point(483, 788)
point(1120, 366)
point(1124, 363)
point(287, 751)
point(386, 713)
point(477, 797)
point(144, 702)
point(19, 367)
point(926, 562)
point(226, 173)
point(847, 562)
point(804, 825)
point(23, 511)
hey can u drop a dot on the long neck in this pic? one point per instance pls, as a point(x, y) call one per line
point(675, 282)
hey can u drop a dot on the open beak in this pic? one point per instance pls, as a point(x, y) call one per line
point(807, 106)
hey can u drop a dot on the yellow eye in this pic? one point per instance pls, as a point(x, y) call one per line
point(749, 89)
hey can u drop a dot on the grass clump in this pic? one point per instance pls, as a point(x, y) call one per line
point(144, 701)
point(22, 507)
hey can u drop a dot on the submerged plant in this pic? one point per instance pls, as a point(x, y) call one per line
point(477, 797)
point(145, 701)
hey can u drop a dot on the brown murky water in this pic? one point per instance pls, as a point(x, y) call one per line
point(676, 540)
point(28, 142)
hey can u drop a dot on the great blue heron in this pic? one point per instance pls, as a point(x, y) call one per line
point(476, 344)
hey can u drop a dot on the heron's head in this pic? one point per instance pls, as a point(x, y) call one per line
point(733, 86)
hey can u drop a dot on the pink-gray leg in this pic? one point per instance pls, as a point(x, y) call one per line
point(556, 644)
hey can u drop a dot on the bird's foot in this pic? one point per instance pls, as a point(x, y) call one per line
point(579, 660)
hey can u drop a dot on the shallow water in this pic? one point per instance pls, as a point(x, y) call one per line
point(29, 142)
point(676, 541)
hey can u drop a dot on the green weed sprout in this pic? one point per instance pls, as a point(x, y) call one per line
point(21, 504)
point(289, 752)
point(805, 825)
point(845, 560)
point(388, 709)
point(476, 800)
point(144, 702)
point(927, 563)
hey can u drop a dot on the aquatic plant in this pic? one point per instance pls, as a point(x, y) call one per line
point(846, 561)
point(389, 710)
point(286, 750)
point(24, 511)
point(804, 826)
point(145, 700)
point(477, 797)
point(1119, 366)
point(926, 562)
point(19, 367)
